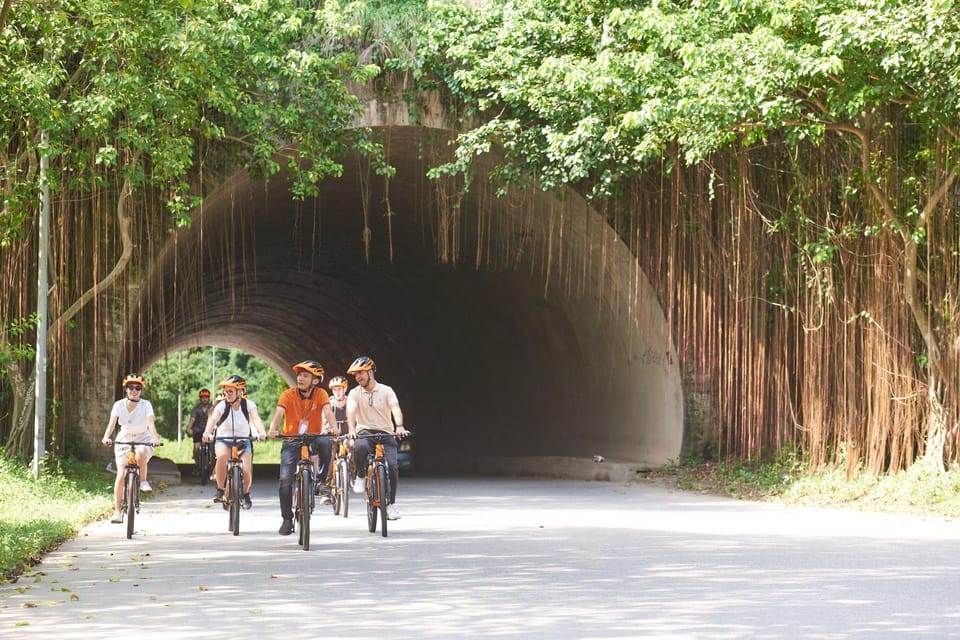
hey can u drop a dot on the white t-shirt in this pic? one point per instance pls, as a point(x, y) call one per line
point(133, 424)
point(236, 424)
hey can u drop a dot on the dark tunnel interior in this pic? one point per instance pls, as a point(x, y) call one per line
point(502, 359)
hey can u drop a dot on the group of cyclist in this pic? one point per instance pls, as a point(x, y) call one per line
point(369, 409)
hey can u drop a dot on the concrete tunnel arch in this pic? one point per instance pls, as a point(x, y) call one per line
point(491, 362)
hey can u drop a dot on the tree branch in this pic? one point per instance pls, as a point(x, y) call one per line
point(126, 240)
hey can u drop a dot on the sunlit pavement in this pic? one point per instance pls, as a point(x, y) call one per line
point(483, 558)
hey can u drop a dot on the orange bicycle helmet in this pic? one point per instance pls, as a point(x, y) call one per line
point(233, 382)
point(338, 381)
point(312, 367)
point(204, 393)
point(134, 378)
point(363, 363)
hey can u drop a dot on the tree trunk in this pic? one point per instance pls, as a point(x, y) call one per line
point(19, 444)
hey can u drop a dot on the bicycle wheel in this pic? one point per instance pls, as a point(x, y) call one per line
point(383, 494)
point(235, 490)
point(306, 493)
point(343, 486)
point(130, 489)
point(203, 464)
point(372, 507)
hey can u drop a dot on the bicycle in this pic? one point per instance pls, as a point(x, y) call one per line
point(340, 479)
point(130, 503)
point(304, 498)
point(233, 494)
point(378, 481)
point(205, 462)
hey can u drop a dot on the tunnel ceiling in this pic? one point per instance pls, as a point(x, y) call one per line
point(479, 353)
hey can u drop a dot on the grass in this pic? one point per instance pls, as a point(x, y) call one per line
point(918, 490)
point(37, 515)
point(182, 452)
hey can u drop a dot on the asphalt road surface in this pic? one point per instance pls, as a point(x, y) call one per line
point(498, 558)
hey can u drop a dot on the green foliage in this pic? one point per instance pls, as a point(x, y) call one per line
point(13, 345)
point(149, 90)
point(592, 93)
point(36, 515)
point(184, 374)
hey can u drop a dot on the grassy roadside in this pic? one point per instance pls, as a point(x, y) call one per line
point(36, 516)
point(918, 490)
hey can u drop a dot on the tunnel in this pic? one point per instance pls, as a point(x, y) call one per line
point(513, 325)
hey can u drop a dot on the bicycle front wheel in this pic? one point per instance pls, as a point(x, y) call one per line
point(382, 496)
point(343, 487)
point(130, 489)
point(306, 493)
point(235, 490)
point(372, 507)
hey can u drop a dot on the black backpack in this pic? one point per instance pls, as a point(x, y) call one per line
point(243, 407)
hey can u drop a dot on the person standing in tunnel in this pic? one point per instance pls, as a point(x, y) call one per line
point(235, 416)
point(303, 409)
point(198, 421)
point(372, 411)
point(135, 417)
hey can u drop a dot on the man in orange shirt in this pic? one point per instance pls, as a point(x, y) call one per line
point(302, 409)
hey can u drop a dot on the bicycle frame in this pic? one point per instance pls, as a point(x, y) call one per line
point(304, 499)
point(234, 488)
point(130, 500)
point(378, 483)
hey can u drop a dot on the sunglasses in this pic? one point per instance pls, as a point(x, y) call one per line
point(134, 387)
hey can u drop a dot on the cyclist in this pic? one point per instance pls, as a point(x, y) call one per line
point(338, 385)
point(373, 408)
point(136, 420)
point(303, 409)
point(198, 421)
point(235, 416)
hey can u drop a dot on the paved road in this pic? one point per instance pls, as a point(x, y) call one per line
point(500, 558)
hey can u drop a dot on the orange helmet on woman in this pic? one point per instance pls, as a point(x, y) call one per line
point(338, 381)
point(363, 363)
point(312, 367)
point(134, 378)
point(233, 382)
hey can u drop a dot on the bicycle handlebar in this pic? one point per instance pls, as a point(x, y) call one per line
point(114, 443)
point(378, 434)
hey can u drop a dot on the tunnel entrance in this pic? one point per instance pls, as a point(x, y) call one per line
point(541, 338)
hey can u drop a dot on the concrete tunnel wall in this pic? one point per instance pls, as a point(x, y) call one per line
point(482, 358)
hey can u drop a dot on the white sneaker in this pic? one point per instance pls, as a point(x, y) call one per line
point(392, 512)
point(117, 518)
point(359, 485)
point(145, 486)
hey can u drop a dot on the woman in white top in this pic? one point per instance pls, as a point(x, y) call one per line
point(234, 417)
point(135, 417)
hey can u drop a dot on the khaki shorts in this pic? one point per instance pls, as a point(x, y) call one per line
point(122, 450)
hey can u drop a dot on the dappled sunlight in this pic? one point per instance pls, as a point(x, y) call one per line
point(498, 558)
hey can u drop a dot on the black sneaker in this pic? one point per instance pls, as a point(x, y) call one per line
point(286, 528)
point(245, 501)
point(218, 496)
